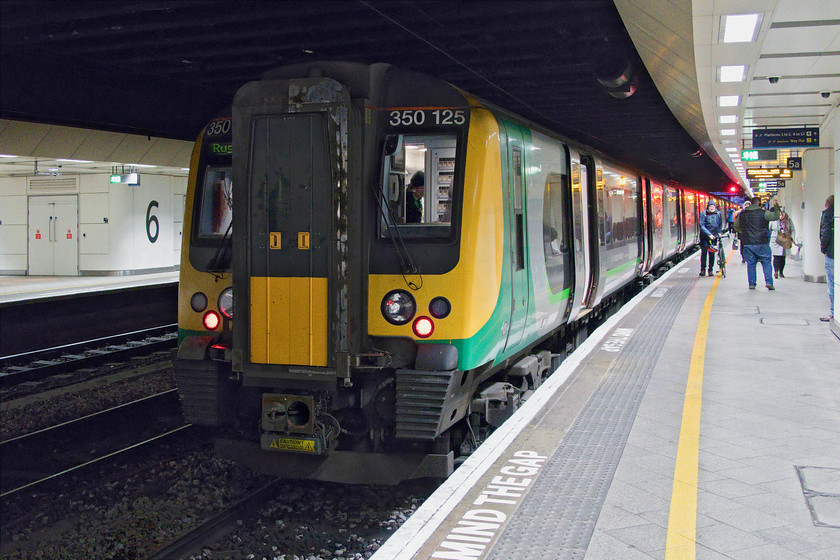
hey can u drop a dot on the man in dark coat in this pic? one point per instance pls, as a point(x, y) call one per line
point(753, 225)
point(711, 224)
point(413, 198)
point(827, 248)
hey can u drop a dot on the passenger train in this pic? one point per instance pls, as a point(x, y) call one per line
point(330, 335)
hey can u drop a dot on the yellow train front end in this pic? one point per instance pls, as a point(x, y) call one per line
point(205, 302)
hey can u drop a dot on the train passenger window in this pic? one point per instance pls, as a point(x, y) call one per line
point(419, 184)
point(216, 203)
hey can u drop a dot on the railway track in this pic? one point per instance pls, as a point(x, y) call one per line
point(39, 364)
point(42, 457)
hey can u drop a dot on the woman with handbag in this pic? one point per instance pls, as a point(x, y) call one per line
point(781, 240)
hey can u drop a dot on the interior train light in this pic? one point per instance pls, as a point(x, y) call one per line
point(423, 327)
point(211, 320)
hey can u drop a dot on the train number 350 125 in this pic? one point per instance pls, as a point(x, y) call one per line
point(419, 117)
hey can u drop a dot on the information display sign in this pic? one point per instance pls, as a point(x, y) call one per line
point(769, 173)
point(759, 155)
point(786, 138)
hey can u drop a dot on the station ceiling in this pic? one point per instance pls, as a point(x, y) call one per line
point(165, 68)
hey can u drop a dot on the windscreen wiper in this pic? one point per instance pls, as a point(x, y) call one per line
point(221, 260)
point(407, 264)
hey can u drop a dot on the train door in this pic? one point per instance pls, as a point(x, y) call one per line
point(592, 179)
point(53, 239)
point(289, 231)
point(519, 286)
point(657, 222)
point(580, 236)
point(645, 236)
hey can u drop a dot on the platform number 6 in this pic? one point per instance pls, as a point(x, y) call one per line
point(151, 219)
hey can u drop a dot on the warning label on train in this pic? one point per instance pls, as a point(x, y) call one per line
point(289, 444)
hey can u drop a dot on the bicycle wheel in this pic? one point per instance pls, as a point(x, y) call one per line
point(722, 262)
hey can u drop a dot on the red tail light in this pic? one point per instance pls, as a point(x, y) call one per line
point(423, 327)
point(211, 320)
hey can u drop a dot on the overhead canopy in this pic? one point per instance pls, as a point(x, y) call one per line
point(165, 68)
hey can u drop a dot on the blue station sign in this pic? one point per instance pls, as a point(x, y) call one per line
point(786, 138)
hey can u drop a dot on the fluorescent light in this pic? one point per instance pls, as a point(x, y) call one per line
point(75, 160)
point(4, 155)
point(740, 28)
point(732, 73)
point(185, 169)
point(728, 119)
point(729, 100)
point(138, 165)
point(732, 149)
point(727, 131)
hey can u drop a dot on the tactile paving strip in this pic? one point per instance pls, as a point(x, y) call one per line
point(557, 517)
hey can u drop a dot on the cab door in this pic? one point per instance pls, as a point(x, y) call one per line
point(515, 202)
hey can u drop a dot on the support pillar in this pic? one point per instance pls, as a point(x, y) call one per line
point(816, 163)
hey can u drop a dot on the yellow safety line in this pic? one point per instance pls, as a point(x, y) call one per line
point(682, 520)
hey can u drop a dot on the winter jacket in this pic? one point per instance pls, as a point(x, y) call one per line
point(753, 222)
point(827, 232)
point(711, 223)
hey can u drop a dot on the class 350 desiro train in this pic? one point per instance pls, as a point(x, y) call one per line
point(378, 267)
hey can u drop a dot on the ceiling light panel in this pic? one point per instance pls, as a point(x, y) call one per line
point(732, 73)
point(739, 28)
point(728, 119)
point(729, 100)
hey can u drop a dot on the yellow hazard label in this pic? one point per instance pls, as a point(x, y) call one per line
point(288, 444)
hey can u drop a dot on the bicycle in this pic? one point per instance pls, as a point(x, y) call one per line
point(718, 250)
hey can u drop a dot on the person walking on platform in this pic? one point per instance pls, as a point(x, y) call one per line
point(711, 224)
point(782, 234)
point(730, 220)
point(753, 225)
point(827, 248)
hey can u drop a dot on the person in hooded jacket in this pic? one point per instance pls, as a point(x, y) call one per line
point(711, 224)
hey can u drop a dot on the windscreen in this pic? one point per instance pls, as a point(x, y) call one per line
point(419, 185)
point(215, 209)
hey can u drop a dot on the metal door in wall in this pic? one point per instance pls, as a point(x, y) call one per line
point(53, 236)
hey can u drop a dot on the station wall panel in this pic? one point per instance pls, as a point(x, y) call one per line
point(93, 239)
point(93, 208)
point(13, 216)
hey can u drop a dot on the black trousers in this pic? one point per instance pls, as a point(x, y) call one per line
point(705, 254)
point(779, 263)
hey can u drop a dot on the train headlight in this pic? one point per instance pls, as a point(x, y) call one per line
point(398, 307)
point(440, 307)
point(211, 320)
point(198, 302)
point(226, 302)
point(423, 327)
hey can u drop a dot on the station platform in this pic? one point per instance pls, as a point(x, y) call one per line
point(24, 288)
point(700, 421)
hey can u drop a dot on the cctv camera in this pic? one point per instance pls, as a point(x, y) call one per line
point(773, 79)
point(825, 94)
